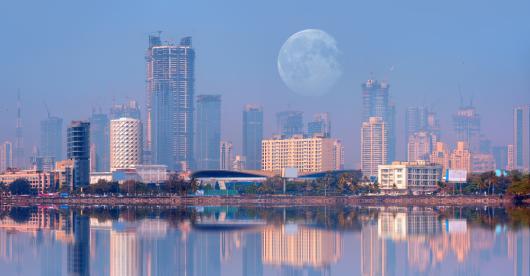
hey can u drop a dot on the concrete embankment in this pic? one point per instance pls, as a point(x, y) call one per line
point(268, 200)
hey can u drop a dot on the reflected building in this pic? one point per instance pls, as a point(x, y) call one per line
point(300, 246)
point(79, 249)
point(124, 253)
point(252, 254)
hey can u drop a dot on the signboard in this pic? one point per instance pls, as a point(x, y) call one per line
point(456, 176)
point(290, 173)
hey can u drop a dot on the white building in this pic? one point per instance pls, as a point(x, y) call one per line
point(374, 145)
point(313, 154)
point(125, 143)
point(419, 177)
point(152, 173)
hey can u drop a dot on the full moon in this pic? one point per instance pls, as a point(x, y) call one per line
point(308, 62)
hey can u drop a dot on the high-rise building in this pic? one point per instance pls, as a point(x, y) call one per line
point(511, 158)
point(461, 157)
point(420, 145)
point(100, 142)
point(19, 158)
point(126, 110)
point(313, 154)
point(252, 136)
point(125, 143)
point(51, 138)
point(78, 149)
point(467, 127)
point(170, 100)
point(441, 156)
point(6, 156)
point(225, 162)
point(289, 123)
point(375, 99)
point(521, 137)
point(320, 125)
point(500, 154)
point(374, 145)
point(208, 132)
point(482, 162)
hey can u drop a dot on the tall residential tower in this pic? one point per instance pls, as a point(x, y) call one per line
point(170, 100)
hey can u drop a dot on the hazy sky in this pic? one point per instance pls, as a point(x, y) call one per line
point(76, 55)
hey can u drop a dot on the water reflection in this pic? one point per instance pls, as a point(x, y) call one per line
point(59, 240)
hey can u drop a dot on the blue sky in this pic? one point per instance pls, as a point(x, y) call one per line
point(75, 55)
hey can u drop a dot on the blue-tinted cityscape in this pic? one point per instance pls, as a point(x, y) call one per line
point(266, 138)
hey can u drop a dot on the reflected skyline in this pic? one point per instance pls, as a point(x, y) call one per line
point(293, 241)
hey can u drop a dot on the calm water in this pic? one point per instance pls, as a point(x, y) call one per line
point(264, 241)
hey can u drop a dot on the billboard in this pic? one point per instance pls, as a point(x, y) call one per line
point(456, 176)
point(290, 172)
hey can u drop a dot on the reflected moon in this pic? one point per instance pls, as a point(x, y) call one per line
point(308, 62)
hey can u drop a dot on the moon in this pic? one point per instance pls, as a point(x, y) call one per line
point(308, 62)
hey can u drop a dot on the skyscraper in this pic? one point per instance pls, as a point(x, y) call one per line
point(289, 123)
point(252, 136)
point(126, 110)
point(521, 137)
point(6, 156)
point(170, 100)
point(375, 98)
point(500, 153)
point(51, 138)
point(19, 159)
point(320, 125)
point(100, 142)
point(420, 119)
point(208, 131)
point(420, 145)
point(125, 143)
point(225, 162)
point(78, 149)
point(374, 145)
point(467, 127)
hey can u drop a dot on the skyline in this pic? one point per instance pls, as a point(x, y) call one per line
point(447, 61)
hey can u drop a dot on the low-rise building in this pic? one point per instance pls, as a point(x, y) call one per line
point(152, 173)
point(64, 172)
point(418, 177)
point(40, 181)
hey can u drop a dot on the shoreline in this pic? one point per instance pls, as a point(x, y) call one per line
point(266, 200)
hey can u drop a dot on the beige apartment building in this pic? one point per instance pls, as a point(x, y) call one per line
point(313, 154)
point(461, 157)
point(440, 155)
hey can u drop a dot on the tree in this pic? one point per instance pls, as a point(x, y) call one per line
point(520, 187)
point(20, 186)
